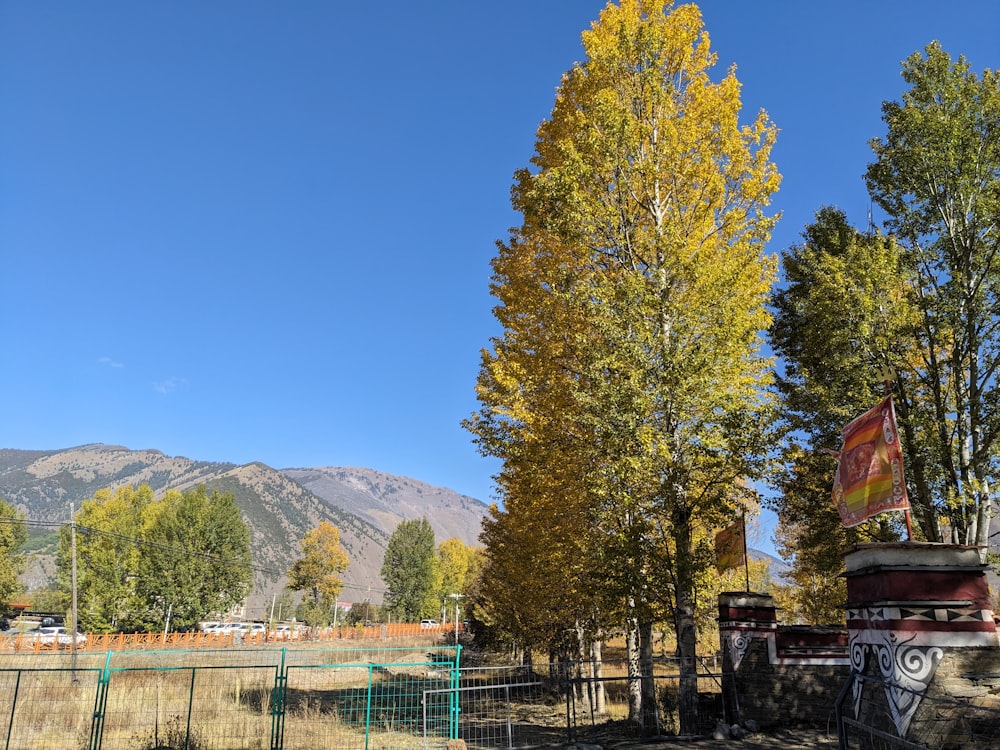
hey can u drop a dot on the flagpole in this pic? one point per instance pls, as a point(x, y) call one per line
point(746, 559)
point(887, 375)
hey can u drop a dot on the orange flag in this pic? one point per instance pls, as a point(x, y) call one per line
point(869, 477)
point(730, 544)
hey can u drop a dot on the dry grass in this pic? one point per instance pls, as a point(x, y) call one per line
point(221, 700)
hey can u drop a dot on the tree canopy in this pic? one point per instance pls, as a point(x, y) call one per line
point(626, 387)
point(410, 573)
point(13, 534)
point(920, 304)
point(142, 561)
point(937, 176)
point(318, 571)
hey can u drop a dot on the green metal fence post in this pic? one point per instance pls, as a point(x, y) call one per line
point(368, 707)
point(187, 731)
point(453, 733)
point(278, 695)
point(13, 705)
point(100, 705)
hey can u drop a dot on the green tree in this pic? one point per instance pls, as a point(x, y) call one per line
point(844, 313)
point(195, 559)
point(636, 286)
point(109, 527)
point(13, 534)
point(937, 176)
point(319, 569)
point(408, 570)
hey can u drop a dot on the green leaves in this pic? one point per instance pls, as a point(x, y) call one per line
point(937, 175)
point(13, 535)
point(409, 571)
point(139, 558)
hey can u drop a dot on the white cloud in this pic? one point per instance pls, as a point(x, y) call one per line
point(108, 362)
point(170, 385)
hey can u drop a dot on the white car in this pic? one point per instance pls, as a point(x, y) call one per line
point(285, 633)
point(428, 623)
point(57, 634)
point(224, 628)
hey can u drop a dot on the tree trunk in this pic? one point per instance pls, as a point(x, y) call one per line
point(650, 712)
point(687, 702)
point(595, 655)
point(634, 671)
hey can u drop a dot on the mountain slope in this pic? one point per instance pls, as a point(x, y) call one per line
point(277, 509)
point(384, 500)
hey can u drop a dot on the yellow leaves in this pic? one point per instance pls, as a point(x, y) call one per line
point(632, 300)
point(323, 560)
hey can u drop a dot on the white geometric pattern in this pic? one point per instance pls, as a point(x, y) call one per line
point(906, 667)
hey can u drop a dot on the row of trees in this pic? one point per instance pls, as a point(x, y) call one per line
point(420, 577)
point(628, 396)
point(144, 563)
point(921, 303)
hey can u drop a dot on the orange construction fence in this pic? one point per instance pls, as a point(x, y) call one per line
point(27, 642)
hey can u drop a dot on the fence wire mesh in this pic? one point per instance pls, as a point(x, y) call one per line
point(352, 698)
point(887, 716)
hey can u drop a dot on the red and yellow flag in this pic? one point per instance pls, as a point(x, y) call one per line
point(869, 477)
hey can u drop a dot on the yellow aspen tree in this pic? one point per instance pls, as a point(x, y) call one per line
point(318, 572)
point(633, 299)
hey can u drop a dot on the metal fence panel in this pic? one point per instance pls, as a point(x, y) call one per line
point(351, 698)
point(47, 708)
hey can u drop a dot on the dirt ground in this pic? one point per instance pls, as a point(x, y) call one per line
point(779, 739)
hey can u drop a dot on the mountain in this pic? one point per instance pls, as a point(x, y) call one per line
point(279, 507)
point(776, 567)
point(384, 500)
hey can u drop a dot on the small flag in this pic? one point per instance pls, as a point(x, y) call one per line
point(869, 478)
point(730, 547)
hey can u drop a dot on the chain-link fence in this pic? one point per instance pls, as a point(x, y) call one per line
point(552, 704)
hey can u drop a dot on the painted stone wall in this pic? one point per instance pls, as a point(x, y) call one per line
point(920, 651)
point(777, 674)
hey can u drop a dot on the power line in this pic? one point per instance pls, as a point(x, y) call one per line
point(169, 548)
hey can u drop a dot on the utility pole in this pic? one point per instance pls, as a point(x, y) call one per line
point(456, 597)
point(72, 612)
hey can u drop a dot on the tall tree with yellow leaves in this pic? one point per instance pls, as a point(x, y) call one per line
point(632, 298)
point(318, 572)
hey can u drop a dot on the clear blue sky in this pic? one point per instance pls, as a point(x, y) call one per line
point(260, 231)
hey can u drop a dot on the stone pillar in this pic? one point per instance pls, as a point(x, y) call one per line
point(743, 618)
point(909, 605)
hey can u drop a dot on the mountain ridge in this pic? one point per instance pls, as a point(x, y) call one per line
point(365, 504)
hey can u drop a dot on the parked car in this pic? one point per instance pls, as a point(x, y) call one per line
point(285, 633)
point(428, 623)
point(56, 634)
point(225, 628)
point(254, 628)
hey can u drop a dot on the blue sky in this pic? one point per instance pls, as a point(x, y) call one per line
point(258, 231)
